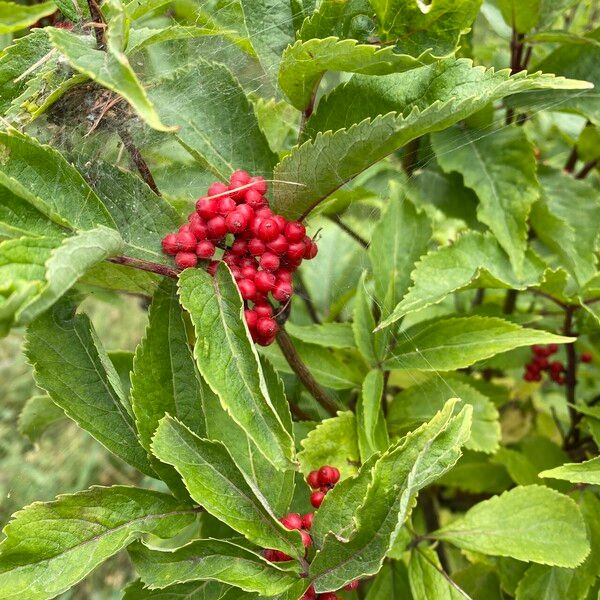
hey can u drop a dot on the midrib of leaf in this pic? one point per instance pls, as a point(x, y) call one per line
point(98, 536)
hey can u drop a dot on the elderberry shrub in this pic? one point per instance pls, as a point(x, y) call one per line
point(262, 249)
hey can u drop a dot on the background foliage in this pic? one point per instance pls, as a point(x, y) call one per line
point(445, 154)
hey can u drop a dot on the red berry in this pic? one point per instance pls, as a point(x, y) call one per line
point(283, 291)
point(329, 596)
point(539, 350)
point(248, 261)
point(316, 498)
point(528, 377)
point(254, 199)
point(541, 362)
point(552, 348)
point(247, 289)
point(239, 247)
point(292, 521)
point(284, 275)
point(184, 229)
point(207, 208)
point(263, 310)
point(198, 227)
point(306, 539)
point(226, 205)
point(309, 594)
point(294, 231)
point(296, 251)
point(240, 177)
point(247, 210)
point(352, 585)
point(205, 249)
point(169, 244)
point(311, 251)
point(235, 271)
point(268, 229)
point(307, 520)
point(264, 213)
point(256, 247)
point(186, 242)
point(248, 272)
point(270, 554)
point(269, 262)
point(251, 318)
point(280, 556)
point(213, 265)
point(186, 260)
point(313, 479)
point(586, 357)
point(281, 221)
point(217, 228)
point(217, 188)
point(236, 221)
point(264, 281)
point(266, 327)
point(556, 367)
point(279, 245)
point(328, 475)
point(260, 185)
point(261, 341)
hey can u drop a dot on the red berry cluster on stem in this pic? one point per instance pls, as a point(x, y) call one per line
point(262, 249)
point(540, 363)
point(321, 480)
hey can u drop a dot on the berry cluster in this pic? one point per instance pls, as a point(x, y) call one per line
point(323, 480)
point(261, 248)
point(540, 363)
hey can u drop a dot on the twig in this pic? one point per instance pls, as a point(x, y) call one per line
point(97, 17)
point(587, 169)
point(572, 437)
point(145, 265)
point(572, 160)
point(138, 159)
point(510, 302)
point(338, 221)
point(302, 292)
point(479, 296)
point(304, 375)
point(411, 155)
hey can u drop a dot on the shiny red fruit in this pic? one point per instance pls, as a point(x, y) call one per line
point(269, 262)
point(256, 247)
point(328, 475)
point(226, 204)
point(268, 230)
point(306, 539)
point(352, 585)
point(169, 244)
point(266, 327)
point(264, 281)
point(186, 260)
point(254, 199)
point(283, 291)
point(198, 227)
point(292, 521)
point(186, 242)
point(309, 594)
point(296, 251)
point(313, 480)
point(247, 289)
point(239, 247)
point(329, 596)
point(260, 185)
point(311, 251)
point(307, 520)
point(263, 310)
point(205, 249)
point(217, 228)
point(586, 357)
point(316, 498)
point(251, 318)
point(207, 208)
point(294, 231)
point(217, 188)
point(236, 221)
point(279, 245)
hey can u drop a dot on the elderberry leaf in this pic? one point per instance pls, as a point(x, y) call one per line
point(80, 531)
point(304, 64)
point(210, 559)
point(531, 523)
point(371, 345)
point(363, 136)
point(41, 176)
point(74, 10)
point(456, 342)
point(427, 580)
point(474, 260)
point(110, 69)
point(218, 485)
point(501, 168)
point(398, 241)
point(211, 111)
point(228, 361)
point(417, 460)
point(37, 415)
point(391, 582)
point(370, 422)
point(414, 26)
point(332, 442)
point(14, 17)
point(330, 335)
point(572, 234)
point(143, 37)
point(70, 363)
point(523, 15)
point(585, 472)
point(196, 590)
point(418, 403)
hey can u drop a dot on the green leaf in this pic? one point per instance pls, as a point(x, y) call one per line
point(585, 472)
point(370, 422)
point(80, 531)
point(143, 37)
point(572, 234)
point(74, 10)
point(523, 15)
point(68, 263)
point(324, 21)
point(210, 559)
point(474, 260)
point(110, 69)
point(397, 242)
point(427, 580)
point(391, 583)
point(14, 17)
point(330, 335)
point(318, 167)
point(304, 64)
point(196, 590)
point(415, 27)
point(37, 415)
point(216, 483)
point(43, 177)
point(501, 168)
point(227, 359)
point(371, 345)
point(142, 217)
point(531, 523)
point(121, 278)
point(71, 365)
point(269, 42)
point(479, 581)
point(224, 111)
point(476, 474)
point(418, 403)
point(332, 442)
point(457, 342)
point(416, 461)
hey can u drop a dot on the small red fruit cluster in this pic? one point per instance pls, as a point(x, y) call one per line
point(324, 479)
point(261, 248)
point(540, 363)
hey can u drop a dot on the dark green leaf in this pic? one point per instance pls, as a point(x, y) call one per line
point(37, 415)
point(370, 422)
